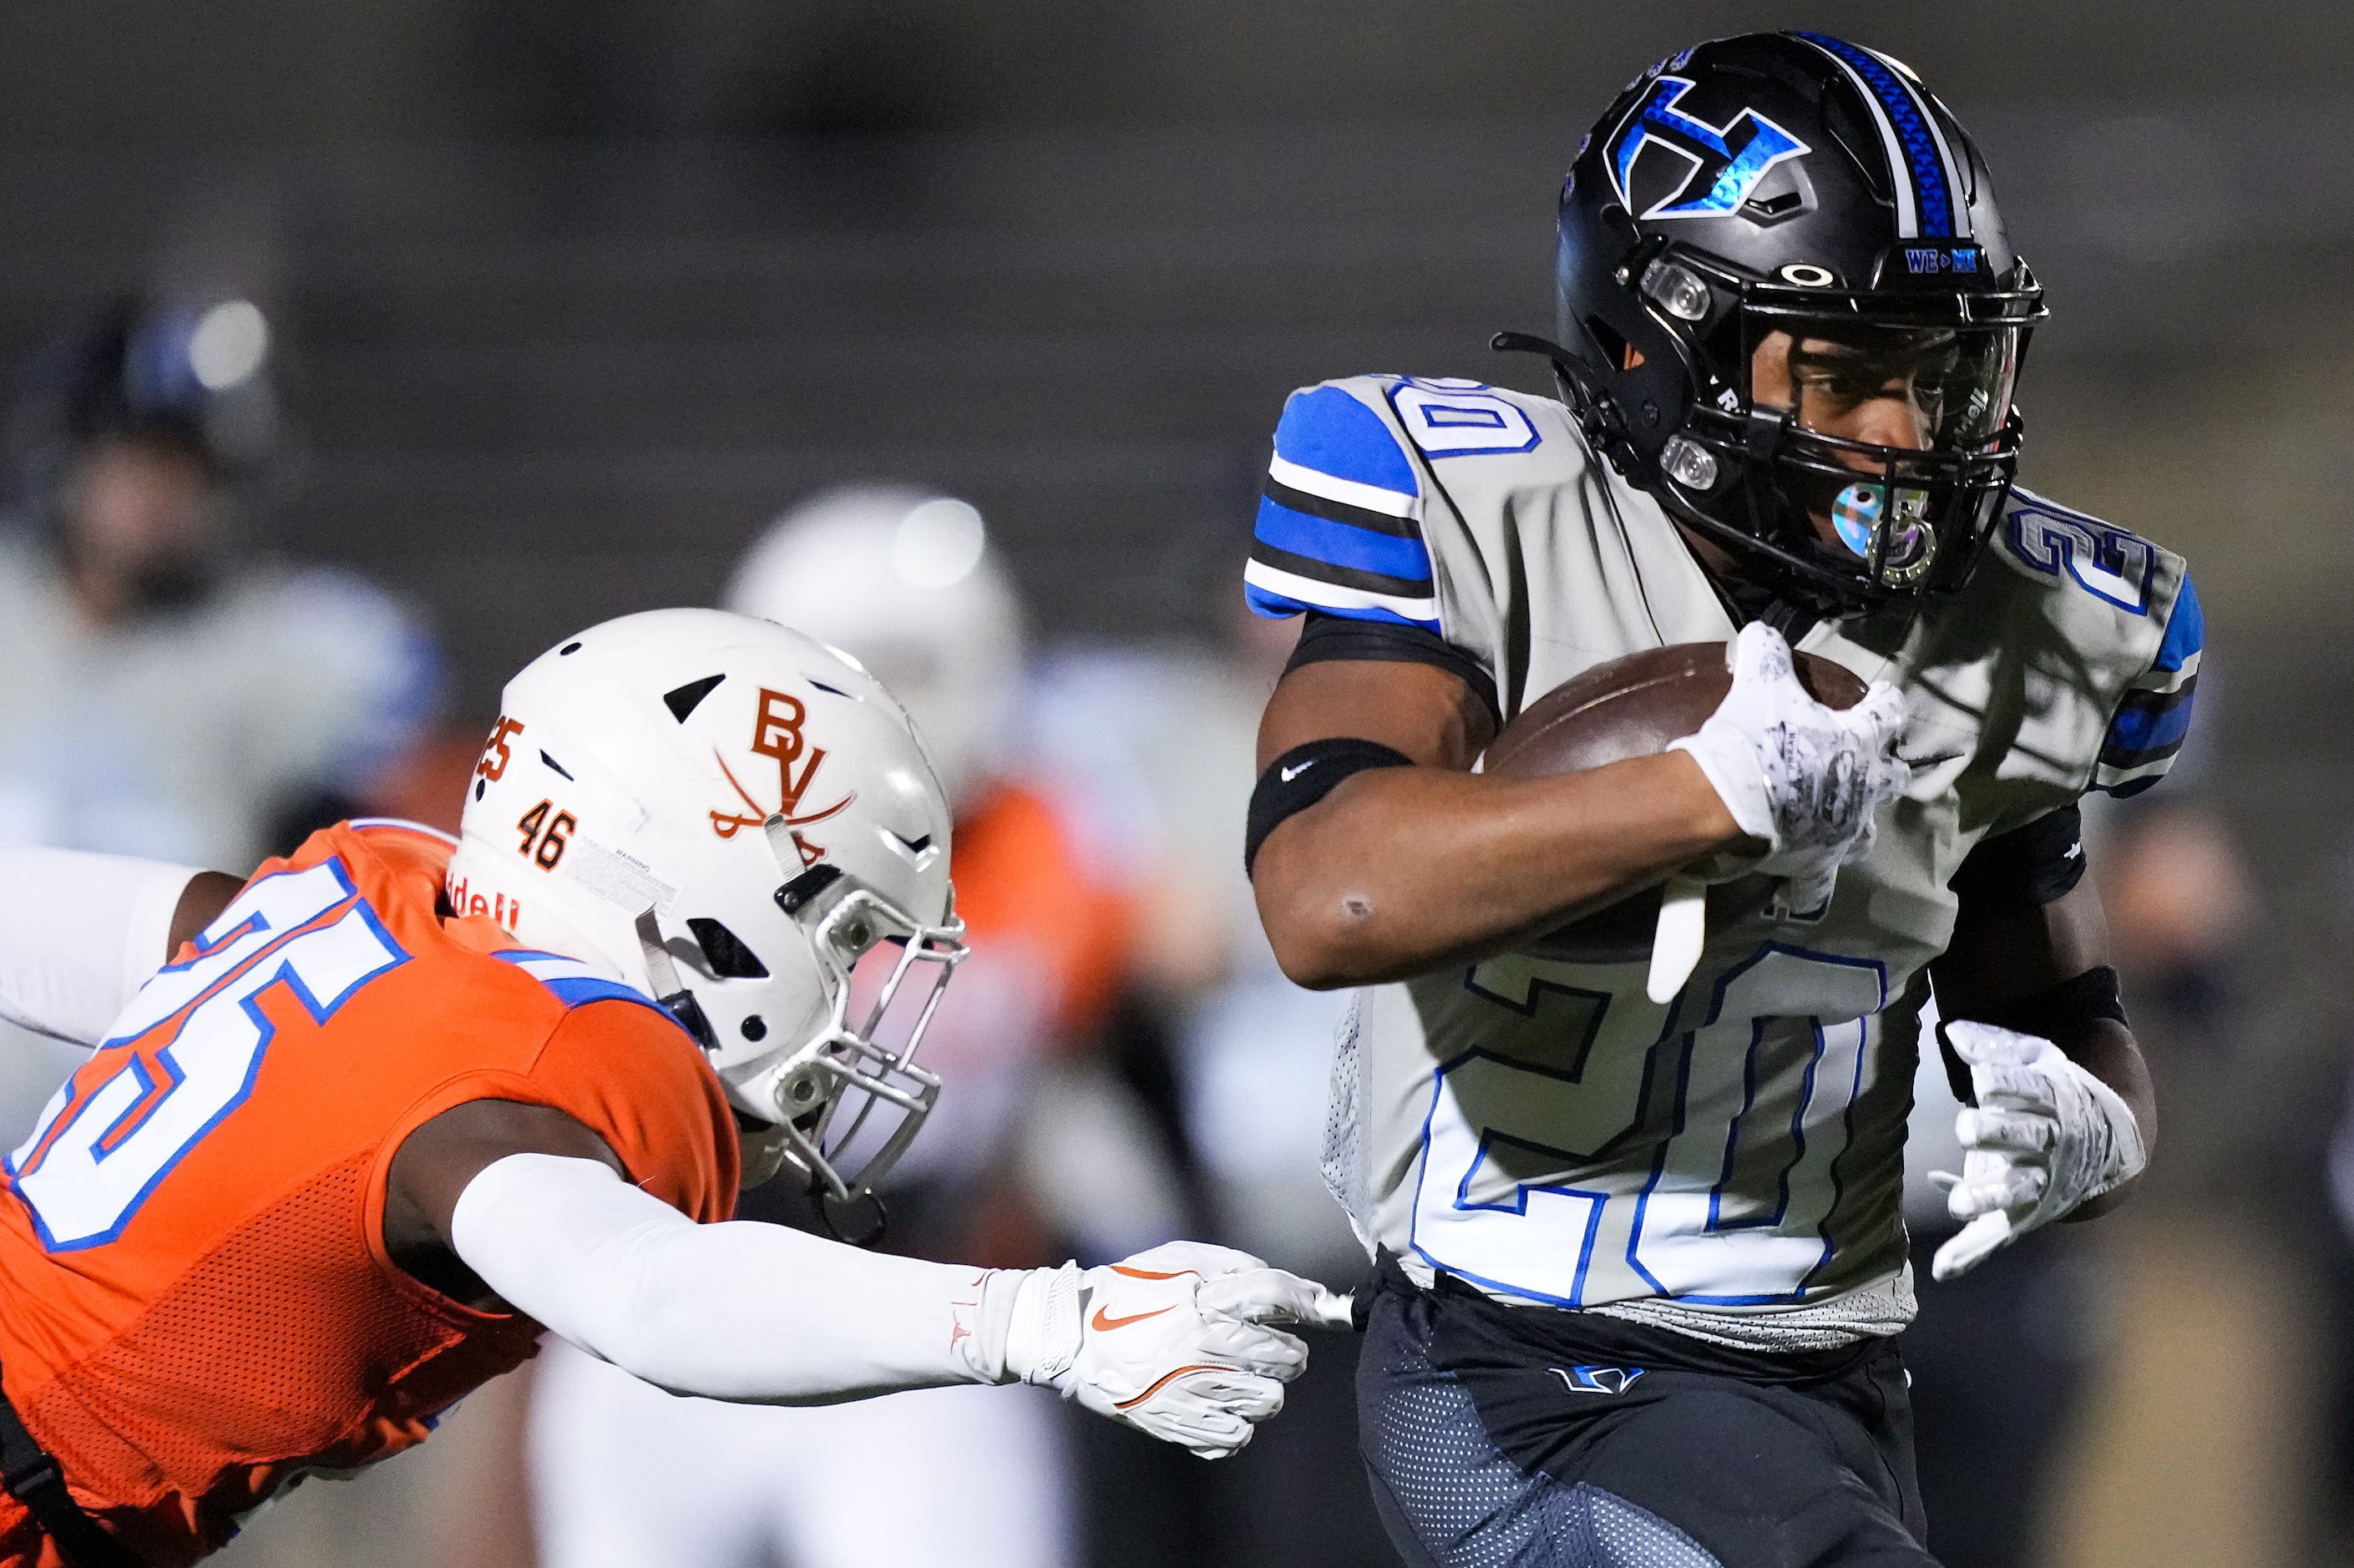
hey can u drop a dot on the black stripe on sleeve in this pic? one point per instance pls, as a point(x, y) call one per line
point(1331, 511)
point(1307, 566)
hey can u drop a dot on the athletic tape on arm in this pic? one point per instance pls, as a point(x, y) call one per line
point(79, 933)
point(742, 1311)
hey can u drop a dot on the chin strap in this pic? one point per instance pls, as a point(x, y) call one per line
point(670, 992)
point(1597, 413)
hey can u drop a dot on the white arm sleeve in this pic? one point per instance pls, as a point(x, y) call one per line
point(742, 1311)
point(79, 934)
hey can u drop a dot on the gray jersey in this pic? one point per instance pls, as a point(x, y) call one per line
point(177, 735)
point(1729, 1164)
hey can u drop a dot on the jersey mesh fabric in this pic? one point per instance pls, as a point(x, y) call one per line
point(123, 1410)
point(1343, 1160)
point(241, 1324)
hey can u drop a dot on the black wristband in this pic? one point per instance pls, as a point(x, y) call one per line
point(2060, 1014)
point(1305, 775)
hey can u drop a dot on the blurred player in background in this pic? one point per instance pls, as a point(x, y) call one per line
point(1166, 731)
point(399, 1103)
point(1641, 1254)
point(1034, 1150)
point(170, 692)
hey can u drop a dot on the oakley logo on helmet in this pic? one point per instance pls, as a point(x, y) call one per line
point(1728, 163)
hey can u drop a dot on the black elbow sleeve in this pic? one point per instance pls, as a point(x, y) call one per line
point(1303, 776)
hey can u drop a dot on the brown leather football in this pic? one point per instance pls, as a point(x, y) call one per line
point(1633, 706)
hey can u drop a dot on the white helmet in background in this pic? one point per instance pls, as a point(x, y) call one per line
point(905, 581)
point(729, 814)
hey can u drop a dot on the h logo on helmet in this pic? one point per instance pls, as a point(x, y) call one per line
point(1726, 162)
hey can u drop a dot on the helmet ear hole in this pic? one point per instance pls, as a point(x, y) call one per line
point(725, 951)
point(1616, 350)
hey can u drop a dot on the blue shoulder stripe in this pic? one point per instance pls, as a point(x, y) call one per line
point(2148, 723)
point(575, 984)
point(2186, 630)
point(1328, 430)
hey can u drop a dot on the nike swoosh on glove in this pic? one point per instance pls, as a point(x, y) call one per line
point(2045, 1136)
point(1172, 1341)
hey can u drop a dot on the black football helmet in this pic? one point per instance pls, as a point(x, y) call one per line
point(1761, 233)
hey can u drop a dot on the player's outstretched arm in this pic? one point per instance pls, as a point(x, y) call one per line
point(1173, 1342)
point(2064, 1115)
point(79, 933)
point(1400, 869)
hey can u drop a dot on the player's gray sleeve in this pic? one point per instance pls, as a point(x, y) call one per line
point(362, 680)
point(79, 933)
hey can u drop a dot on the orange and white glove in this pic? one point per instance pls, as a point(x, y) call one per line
point(1174, 1342)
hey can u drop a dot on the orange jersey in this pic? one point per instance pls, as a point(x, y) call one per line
point(1022, 884)
point(195, 1304)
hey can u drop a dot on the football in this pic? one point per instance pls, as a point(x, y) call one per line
point(1633, 706)
point(1628, 708)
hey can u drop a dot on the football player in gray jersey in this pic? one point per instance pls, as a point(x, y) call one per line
point(1642, 1265)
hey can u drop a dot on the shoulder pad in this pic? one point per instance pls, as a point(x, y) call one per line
point(1339, 523)
point(2143, 589)
point(2051, 543)
point(2153, 719)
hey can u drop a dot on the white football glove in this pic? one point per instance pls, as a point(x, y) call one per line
point(2045, 1136)
point(1806, 778)
point(1171, 1341)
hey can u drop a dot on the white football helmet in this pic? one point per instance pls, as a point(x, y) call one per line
point(728, 815)
point(905, 581)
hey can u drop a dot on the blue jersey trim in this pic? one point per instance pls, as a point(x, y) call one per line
point(1276, 605)
point(1330, 432)
point(569, 982)
point(1341, 544)
point(2146, 729)
point(578, 991)
point(2186, 630)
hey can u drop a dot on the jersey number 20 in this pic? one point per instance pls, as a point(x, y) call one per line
point(1738, 1204)
point(186, 1052)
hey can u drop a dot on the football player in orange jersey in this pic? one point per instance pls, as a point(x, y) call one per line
point(399, 1104)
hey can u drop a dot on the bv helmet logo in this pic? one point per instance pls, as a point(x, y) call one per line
point(1726, 163)
point(777, 735)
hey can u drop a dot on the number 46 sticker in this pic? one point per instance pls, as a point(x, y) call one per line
point(551, 837)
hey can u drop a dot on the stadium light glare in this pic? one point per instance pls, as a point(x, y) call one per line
point(229, 344)
point(938, 542)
